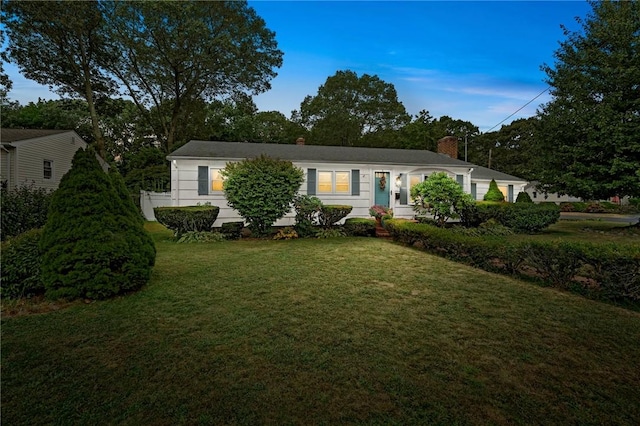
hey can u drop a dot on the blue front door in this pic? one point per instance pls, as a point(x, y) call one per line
point(381, 189)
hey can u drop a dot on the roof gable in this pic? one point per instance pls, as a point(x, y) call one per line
point(17, 135)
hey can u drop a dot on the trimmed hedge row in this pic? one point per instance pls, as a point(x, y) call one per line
point(521, 217)
point(597, 207)
point(601, 271)
point(359, 227)
point(186, 219)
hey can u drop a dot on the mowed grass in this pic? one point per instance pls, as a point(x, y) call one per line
point(337, 331)
point(589, 231)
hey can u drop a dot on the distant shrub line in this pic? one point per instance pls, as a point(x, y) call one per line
point(600, 207)
point(599, 271)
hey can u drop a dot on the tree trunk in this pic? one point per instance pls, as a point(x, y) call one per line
point(88, 94)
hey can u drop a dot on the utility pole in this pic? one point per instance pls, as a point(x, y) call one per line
point(489, 166)
point(465, 147)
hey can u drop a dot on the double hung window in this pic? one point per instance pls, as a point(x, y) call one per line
point(333, 182)
point(47, 169)
point(216, 180)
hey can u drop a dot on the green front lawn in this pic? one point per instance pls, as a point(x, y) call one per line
point(588, 231)
point(348, 330)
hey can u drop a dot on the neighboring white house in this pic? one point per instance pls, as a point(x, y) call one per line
point(355, 176)
point(36, 156)
point(538, 196)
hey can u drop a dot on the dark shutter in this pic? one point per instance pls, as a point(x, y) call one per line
point(355, 182)
point(203, 180)
point(474, 191)
point(404, 191)
point(311, 181)
point(510, 193)
point(460, 180)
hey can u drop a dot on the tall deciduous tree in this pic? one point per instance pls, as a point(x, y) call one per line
point(420, 133)
point(512, 148)
point(176, 54)
point(68, 114)
point(61, 45)
point(274, 127)
point(588, 137)
point(5, 82)
point(349, 108)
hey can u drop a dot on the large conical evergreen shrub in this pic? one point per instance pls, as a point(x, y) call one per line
point(494, 193)
point(93, 245)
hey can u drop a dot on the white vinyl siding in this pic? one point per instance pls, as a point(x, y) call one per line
point(30, 156)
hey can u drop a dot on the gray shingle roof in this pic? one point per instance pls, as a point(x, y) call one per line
point(328, 154)
point(480, 172)
point(15, 135)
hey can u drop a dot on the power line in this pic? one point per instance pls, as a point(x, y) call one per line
point(519, 109)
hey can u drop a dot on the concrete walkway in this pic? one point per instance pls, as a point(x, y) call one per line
point(607, 217)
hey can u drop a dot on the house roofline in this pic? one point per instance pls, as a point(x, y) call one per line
point(198, 150)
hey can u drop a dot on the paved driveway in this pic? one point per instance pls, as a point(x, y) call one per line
point(619, 218)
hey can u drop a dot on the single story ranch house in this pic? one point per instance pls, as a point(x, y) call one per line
point(355, 176)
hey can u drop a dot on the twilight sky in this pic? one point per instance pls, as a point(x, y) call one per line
point(472, 60)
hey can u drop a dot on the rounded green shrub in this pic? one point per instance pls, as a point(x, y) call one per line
point(307, 209)
point(261, 189)
point(523, 197)
point(187, 218)
point(487, 210)
point(93, 246)
point(331, 214)
point(440, 196)
point(232, 230)
point(20, 264)
point(360, 227)
point(529, 218)
point(494, 193)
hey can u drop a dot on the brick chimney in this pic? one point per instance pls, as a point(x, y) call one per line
point(300, 141)
point(448, 146)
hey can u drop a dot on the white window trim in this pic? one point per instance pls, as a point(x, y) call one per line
point(44, 169)
point(333, 182)
point(211, 173)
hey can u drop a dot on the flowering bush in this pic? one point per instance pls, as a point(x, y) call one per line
point(378, 211)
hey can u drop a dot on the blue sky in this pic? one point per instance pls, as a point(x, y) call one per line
point(472, 60)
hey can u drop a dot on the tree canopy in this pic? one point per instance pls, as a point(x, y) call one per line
point(588, 143)
point(167, 56)
point(349, 108)
point(512, 148)
point(171, 55)
point(61, 47)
